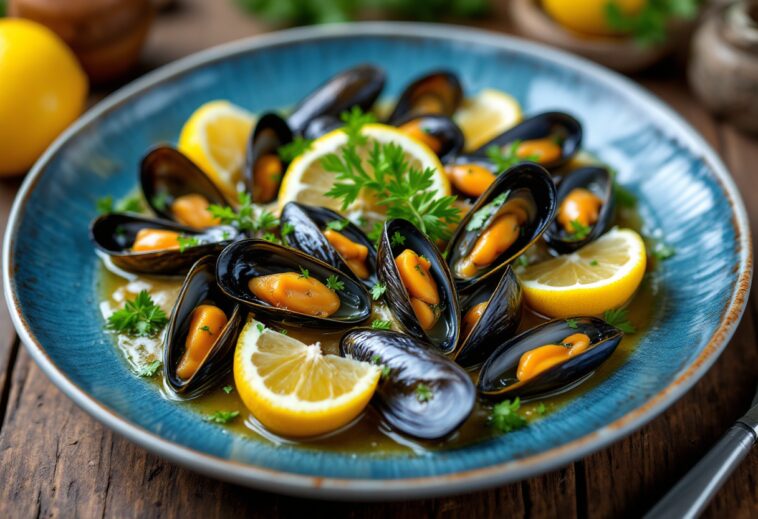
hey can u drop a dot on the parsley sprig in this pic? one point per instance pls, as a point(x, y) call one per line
point(149, 370)
point(222, 417)
point(298, 146)
point(507, 156)
point(650, 25)
point(378, 324)
point(245, 218)
point(132, 204)
point(505, 416)
point(405, 191)
point(619, 318)
point(335, 283)
point(140, 317)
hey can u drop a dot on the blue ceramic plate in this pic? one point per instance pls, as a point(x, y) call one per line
point(50, 268)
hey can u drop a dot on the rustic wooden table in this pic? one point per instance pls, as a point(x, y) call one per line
point(57, 461)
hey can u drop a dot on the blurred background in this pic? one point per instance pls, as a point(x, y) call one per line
point(77, 51)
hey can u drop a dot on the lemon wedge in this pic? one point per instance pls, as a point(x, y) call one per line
point(598, 277)
point(215, 137)
point(306, 181)
point(485, 116)
point(294, 389)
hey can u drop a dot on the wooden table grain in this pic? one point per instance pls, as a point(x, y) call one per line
point(55, 461)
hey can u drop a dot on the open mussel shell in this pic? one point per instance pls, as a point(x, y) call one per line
point(321, 126)
point(444, 335)
point(438, 92)
point(200, 288)
point(598, 181)
point(409, 363)
point(526, 185)
point(443, 130)
point(498, 322)
point(560, 126)
point(358, 86)
point(497, 378)
point(308, 225)
point(270, 132)
point(114, 234)
point(247, 259)
point(166, 174)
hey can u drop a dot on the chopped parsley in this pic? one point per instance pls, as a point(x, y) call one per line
point(286, 229)
point(572, 323)
point(222, 417)
point(227, 389)
point(132, 204)
point(304, 273)
point(334, 283)
point(187, 242)
point(423, 393)
point(619, 318)
point(505, 416)
point(245, 218)
point(506, 157)
point(260, 327)
point(522, 261)
point(479, 218)
point(140, 317)
point(298, 146)
point(397, 239)
point(662, 251)
point(593, 263)
point(337, 225)
point(541, 409)
point(578, 230)
point(377, 291)
point(378, 324)
point(160, 200)
point(206, 329)
point(149, 370)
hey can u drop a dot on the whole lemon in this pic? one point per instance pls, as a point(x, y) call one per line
point(589, 16)
point(42, 90)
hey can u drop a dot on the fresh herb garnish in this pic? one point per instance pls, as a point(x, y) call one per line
point(227, 389)
point(505, 416)
point(377, 361)
point(541, 409)
point(206, 329)
point(397, 239)
point(104, 204)
point(378, 324)
point(298, 146)
point(649, 25)
point(334, 283)
point(260, 327)
point(479, 218)
point(522, 261)
point(245, 218)
point(304, 273)
point(140, 317)
point(271, 237)
point(579, 231)
point(286, 229)
point(507, 156)
point(593, 263)
point(405, 191)
point(572, 323)
point(662, 251)
point(337, 225)
point(160, 200)
point(619, 318)
point(149, 370)
point(132, 204)
point(186, 242)
point(222, 417)
point(624, 197)
point(377, 291)
point(423, 393)
point(283, 331)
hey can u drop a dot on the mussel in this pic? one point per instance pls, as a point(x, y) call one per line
point(151, 246)
point(264, 167)
point(177, 189)
point(508, 218)
point(328, 236)
point(469, 175)
point(585, 209)
point(286, 285)
point(437, 93)
point(358, 86)
point(491, 314)
point(321, 126)
point(552, 357)
point(550, 139)
point(201, 333)
point(439, 132)
point(422, 393)
point(420, 291)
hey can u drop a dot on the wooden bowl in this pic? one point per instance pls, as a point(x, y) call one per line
point(620, 53)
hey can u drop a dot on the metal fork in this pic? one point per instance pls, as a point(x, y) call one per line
point(693, 492)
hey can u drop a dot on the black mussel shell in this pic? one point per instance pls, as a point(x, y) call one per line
point(498, 322)
point(444, 335)
point(270, 132)
point(200, 288)
point(166, 174)
point(527, 184)
point(246, 259)
point(321, 126)
point(114, 234)
point(545, 125)
point(497, 378)
point(408, 364)
point(358, 86)
point(443, 129)
point(434, 93)
point(308, 225)
point(598, 180)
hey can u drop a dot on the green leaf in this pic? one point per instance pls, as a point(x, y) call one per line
point(160, 200)
point(506, 157)
point(227, 389)
point(661, 251)
point(104, 205)
point(132, 204)
point(650, 25)
point(260, 327)
point(505, 416)
point(593, 263)
point(578, 230)
point(480, 218)
point(334, 283)
point(423, 393)
point(206, 329)
point(140, 317)
point(149, 370)
point(397, 239)
point(287, 229)
point(186, 242)
point(377, 291)
point(297, 147)
point(337, 225)
point(572, 323)
point(245, 218)
point(624, 197)
point(541, 409)
point(304, 273)
point(378, 324)
point(222, 417)
point(619, 318)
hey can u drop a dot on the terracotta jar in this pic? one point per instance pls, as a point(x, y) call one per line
point(106, 35)
point(723, 69)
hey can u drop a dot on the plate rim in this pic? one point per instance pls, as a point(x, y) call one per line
point(399, 488)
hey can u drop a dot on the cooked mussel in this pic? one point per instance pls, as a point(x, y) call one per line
point(547, 359)
point(550, 139)
point(201, 333)
point(585, 209)
point(437, 93)
point(321, 126)
point(439, 132)
point(152, 246)
point(508, 218)
point(330, 237)
point(420, 291)
point(358, 86)
point(264, 167)
point(290, 287)
point(177, 189)
point(422, 393)
point(491, 314)
point(471, 176)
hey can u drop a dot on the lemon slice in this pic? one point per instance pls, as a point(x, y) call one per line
point(295, 390)
point(215, 137)
point(601, 275)
point(485, 116)
point(306, 181)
